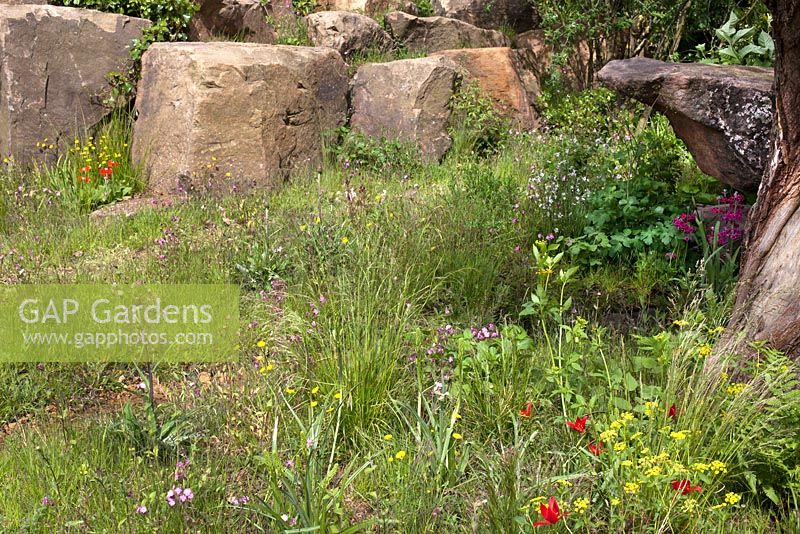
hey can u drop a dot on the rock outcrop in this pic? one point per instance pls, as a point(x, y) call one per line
point(496, 71)
point(222, 117)
point(371, 8)
point(519, 15)
point(406, 100)
point(53, 67)
point(346, 32)
point(430, 34)
point(244, 20)
point(722, 113)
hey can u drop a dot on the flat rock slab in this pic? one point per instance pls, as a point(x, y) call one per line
point(225, 117)
point(53, 67)
point(406, 100)
point(722, 113)
point(347, 33)
point(496, 71)
point(430, 34)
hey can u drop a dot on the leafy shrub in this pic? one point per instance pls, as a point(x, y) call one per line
point(170, 18)
point(481, 129)
point(734, 46)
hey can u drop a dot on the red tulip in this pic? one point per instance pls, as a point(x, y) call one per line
point(550, 513)
point(596, 448)
point(579, 425)
point(105, 172)
point(84, 179)
point(85, 169)
point(112, 163)
point(673, 411)
point(685, 487)
point(526, 411)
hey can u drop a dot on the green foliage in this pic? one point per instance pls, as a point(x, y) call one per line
point(291, 31)
point(357, 153)
point(96, 170)
point(425, 8)
point(170, 18)
point(304, 7)
point(265, 261)
point(734, 46)
point(477, 127)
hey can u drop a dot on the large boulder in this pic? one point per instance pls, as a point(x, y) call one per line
point(223, 117)
point(497, 72)
point(722, 113)
point(429, 34)
point(406, 100)
point(346, 32)
point(244, 20)
point(53, 67)
point(519, 15)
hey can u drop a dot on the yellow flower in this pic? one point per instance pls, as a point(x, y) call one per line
point(616, 425)
point(338, 395)
point(580, 505)
point(680, 323)
point(388, 437)
point(717, 330)
point(720, 505)
point(615, 502)
point(316, 220)
point(627, 417)
point(653, 472)
point(400, 455)
point(704, 350)
point(303, 227)
point(314, 404)
point(718, 467)
point(456, 435)
point(545, 271)
point(456, 416)
point(608, 435)
point(631, 487)
point(736, 389)
point(315, 390)
point(689, 506)
point(626, 463)
point(678, 436)
point(563, 482)
point(700, 467)
point(621, 446)
point(261, 344)
point(290, 391)
point(227, 175)
point(732, 498)
point(345, 240)
point(723, 375)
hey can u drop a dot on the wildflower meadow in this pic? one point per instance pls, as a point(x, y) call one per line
point(520, 337)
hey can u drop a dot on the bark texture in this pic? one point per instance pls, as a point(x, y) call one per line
point(767, 306)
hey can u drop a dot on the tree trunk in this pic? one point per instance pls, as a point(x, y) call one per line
point(767, 305)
